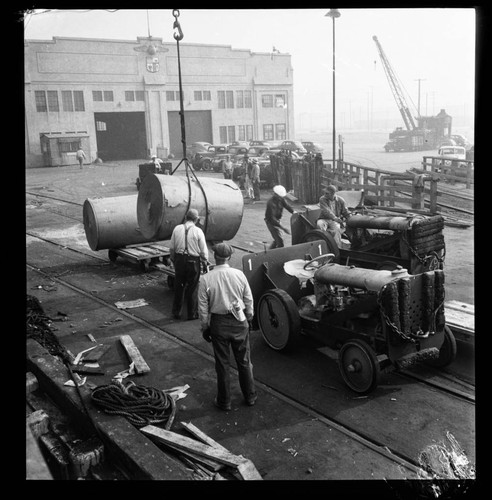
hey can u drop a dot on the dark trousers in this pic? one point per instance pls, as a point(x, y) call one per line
point(228, 333)
point(277, 233)
point(256, 189)
point(186, 278)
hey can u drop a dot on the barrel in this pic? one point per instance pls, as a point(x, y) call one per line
point(163, 201)
point(112, 222)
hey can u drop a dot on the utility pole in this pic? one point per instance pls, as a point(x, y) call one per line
point(419, 80)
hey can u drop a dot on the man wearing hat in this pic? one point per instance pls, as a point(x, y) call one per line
point(333, 212)
point(225, 306)
point(255, 179)
point(188, 250)
point(273, 214)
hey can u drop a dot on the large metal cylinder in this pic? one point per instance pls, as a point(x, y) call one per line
point(112, 222)
point(163, 201)
point(356, 277)
point(376, 222)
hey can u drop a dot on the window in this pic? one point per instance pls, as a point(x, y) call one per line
point(221, 99)
point(101, 126)
point(231, 131)
point(129, 95)
point(68, 146)
point(172, 95)
point(198, 95)
point(229, 98)
point(247, 99)
point(267, 101)
point(239, 99)
point(280, 134)
point(67, 100)
point(268, 132)
point(53, 104)
point(241, 132)
point(207, 96)
point(139, 95)
point(280, 101)
point(40, 97)
point(78, 100)
point(108, 95)
point(249, 132)
point(97, 95)
point(223, 134)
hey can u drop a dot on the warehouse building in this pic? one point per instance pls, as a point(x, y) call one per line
point(120, 100)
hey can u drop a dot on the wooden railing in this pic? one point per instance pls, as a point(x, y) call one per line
point(384, 188)
point(449, 170)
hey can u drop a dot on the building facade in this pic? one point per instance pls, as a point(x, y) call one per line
point(121, 99)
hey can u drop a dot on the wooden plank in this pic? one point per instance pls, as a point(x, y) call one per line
point(248, 471)
point(195, 431)
point(211, 465)
point(187, 444)
point(97, 353)
point(460, 306)
point(134, 354)
point(88, 369)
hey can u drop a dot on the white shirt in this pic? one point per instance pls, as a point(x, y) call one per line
point(197, 245)
point(219, 288)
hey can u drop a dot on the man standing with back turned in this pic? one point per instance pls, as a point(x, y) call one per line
point(225, 305)
point(273, 213)
point(188, 250)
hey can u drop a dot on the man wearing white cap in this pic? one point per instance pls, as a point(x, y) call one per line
point(225, 306)
point(273, 214)
point(188, 250)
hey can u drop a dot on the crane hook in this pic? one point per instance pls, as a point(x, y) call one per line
point(179, 35)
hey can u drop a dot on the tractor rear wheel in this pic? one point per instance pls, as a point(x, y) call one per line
point(359, 366)
point(278, 319)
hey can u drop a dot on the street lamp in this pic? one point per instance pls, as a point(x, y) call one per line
point(334, 14)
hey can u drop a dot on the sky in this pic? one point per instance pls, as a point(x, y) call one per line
point(433, 47)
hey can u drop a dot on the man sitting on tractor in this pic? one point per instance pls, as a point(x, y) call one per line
point(333, 213)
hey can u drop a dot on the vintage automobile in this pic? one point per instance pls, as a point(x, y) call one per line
point(295, 146)
point(450, 154)
point(196, 147)
point(312, 147)
point(204, 160)
point(378, 320)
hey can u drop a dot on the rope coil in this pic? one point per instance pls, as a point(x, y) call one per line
point(141, 405)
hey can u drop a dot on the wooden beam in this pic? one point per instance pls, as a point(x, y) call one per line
point(134, 354)
point(195, 431)
point(191, 445)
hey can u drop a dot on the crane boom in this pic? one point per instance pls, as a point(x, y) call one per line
point(395, 88)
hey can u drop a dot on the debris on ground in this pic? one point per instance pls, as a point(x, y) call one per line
point(130, 304)
point(203, 455)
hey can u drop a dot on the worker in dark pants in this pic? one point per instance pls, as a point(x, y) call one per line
point(273, 213)
point(225, 305)
point(188, 251)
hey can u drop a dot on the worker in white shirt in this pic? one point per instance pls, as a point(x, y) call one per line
point(225, 307)
point(189, 252)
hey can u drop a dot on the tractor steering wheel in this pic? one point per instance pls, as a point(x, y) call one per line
point(325, 259)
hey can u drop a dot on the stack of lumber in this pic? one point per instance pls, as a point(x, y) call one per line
point(207, 458)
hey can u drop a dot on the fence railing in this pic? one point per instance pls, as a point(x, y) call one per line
point(384, 188)
point(451, 171)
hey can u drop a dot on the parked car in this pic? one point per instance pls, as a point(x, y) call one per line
point(197, 147)
point(312, 147)
point(203, 160)
point(239, 144)
point(260, 143)
point(295, 146)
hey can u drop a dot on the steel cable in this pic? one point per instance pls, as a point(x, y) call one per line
point(140, 405)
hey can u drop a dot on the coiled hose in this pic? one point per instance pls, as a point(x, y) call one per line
point(141, 405)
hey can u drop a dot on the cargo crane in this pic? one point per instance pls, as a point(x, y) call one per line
point(429, 131)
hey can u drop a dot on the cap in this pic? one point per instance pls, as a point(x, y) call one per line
point(192, 214)
point(280, 191)
point(223, 250)
point(331, 188)
point(255, 160)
